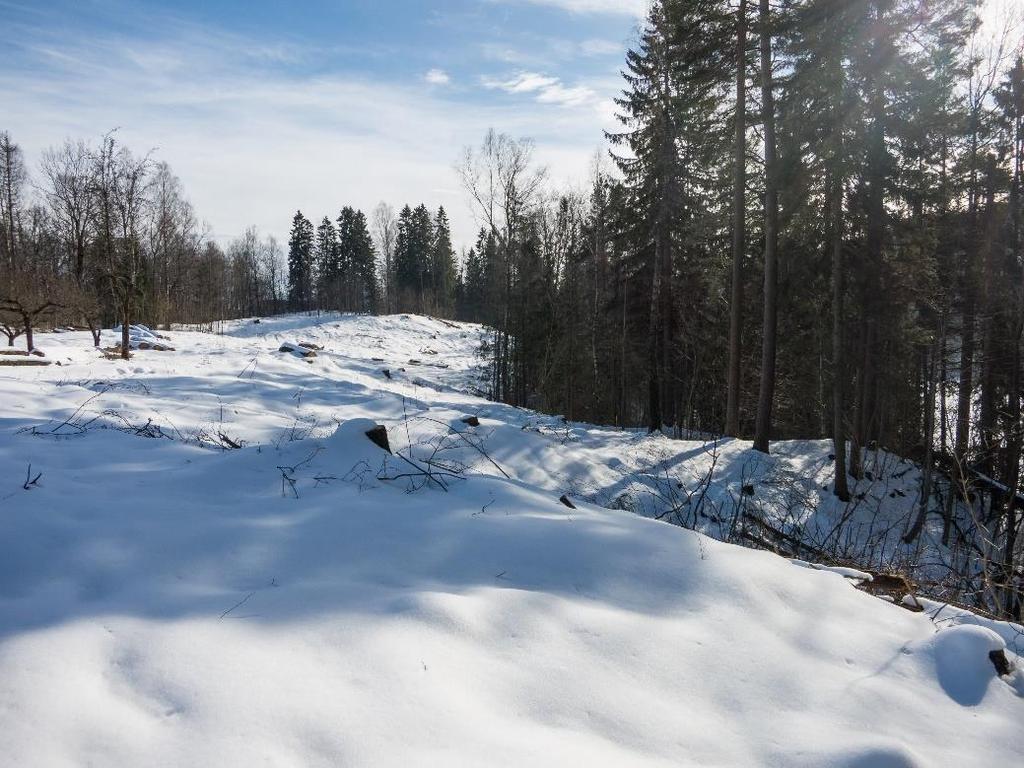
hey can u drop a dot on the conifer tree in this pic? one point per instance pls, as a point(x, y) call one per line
point(405, 261)
point(413, 258)
point(443, 277)
point(300, 261)
point(676, 77)
point(328, 274)
point(363, 264)
point(347, 259)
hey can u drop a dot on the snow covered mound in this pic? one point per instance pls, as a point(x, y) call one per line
point(143, 337)
point(312, 599)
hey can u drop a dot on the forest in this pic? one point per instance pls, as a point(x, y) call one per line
point(808, 225)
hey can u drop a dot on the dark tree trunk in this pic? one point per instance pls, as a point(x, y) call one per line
point(732, 409)
point(968, 293)
point(929, 439)
point(95, 330)
point(838, 369)
point(766, 391)
point(125, 334)
point(991, 312)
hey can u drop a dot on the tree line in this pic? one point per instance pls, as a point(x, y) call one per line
point(407, 264)
point(105, 236)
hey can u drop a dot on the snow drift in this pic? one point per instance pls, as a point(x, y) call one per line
point(309, 599)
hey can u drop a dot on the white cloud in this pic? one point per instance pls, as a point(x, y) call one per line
point(437, 77)
point(253, 142)
point(560, 94)
point(546, 89)
point(524, 82)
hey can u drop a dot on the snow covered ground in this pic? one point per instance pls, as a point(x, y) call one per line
point(309, 599)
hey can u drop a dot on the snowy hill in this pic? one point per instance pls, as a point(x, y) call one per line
point(309, 599)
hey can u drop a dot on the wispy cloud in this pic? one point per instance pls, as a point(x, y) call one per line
point(524, 82)
point(437, 77)
point(546, 89)
point(253, 140)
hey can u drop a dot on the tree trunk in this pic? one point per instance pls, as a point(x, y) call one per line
point(966, 385)
point(990, 319)
point(655, 320)
point(732, 410)
point(125, 335)
point(766, 390)
point(838, 373)
point(929, 439)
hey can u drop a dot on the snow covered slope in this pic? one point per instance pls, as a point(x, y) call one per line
point(309, 599)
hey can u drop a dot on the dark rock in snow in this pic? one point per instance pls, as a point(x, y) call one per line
point(298, 350)
point(379, 436)
point(1000, 662)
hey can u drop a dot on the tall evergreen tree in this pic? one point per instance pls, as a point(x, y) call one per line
point(363, 265)
point(442, 267)
point(300, 263)
point(675, 79)
point(327, 267)
point(413, 258)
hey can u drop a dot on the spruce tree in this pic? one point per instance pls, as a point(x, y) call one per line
point(363, 260)
point(347, 260)
point(405, 261)
point(443, 267)
point(328, 276)
point(300, 260)
point(413, 258)
point(675, 78)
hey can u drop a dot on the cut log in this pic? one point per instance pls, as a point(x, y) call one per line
point(22, 361)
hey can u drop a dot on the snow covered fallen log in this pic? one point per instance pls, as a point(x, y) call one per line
point(298, 349)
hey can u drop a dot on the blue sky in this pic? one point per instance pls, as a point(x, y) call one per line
point(263, 107)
